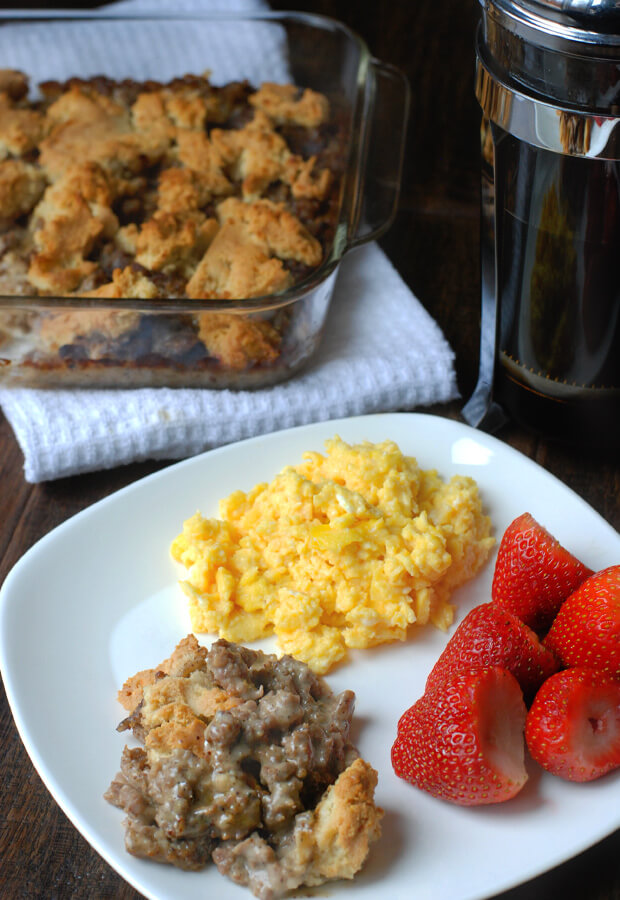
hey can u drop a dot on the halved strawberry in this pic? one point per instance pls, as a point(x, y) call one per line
point(534, 573)
point(573, 726)
point(463, 741)
point(586, 630)
point(490, 635)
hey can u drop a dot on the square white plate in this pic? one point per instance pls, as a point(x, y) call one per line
point(96, 600)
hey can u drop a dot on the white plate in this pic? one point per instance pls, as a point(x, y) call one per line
point(96, 600)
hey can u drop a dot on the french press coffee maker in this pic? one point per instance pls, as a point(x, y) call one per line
point(548, 83)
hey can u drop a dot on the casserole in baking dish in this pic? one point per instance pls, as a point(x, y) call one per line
point(176, 193)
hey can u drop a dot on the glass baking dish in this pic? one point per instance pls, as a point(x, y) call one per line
point(63, 340)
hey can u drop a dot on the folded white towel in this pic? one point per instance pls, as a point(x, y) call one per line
point(381, 350)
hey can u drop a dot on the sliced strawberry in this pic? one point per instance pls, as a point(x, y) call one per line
point(490, 635)
point(463, 741)
point(534, 573)
point(573, 726)
point(586, 630)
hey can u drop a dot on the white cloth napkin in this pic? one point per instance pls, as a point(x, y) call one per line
point(57, 49)
point(381, 352)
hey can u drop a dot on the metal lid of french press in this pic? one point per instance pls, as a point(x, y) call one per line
point(549, 73)
point(584, 25)
point(598, 17)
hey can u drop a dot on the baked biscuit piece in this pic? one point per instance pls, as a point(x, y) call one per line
point(87, 179)
point(175, 711)
point(344, 824)
point(244, 259)
point(188, 108)
point(169, 242)
point(14, 84)
point(20, 129)
point(177, 735)
point(187, 657)
point(21, 187)
point(204, 159)
point(89, 126)
point(126, 283)
point(236, 267)
point(286, 103)
point(256, 154)
point(59, 266)
point(81, 102)
point(149, 116)
point(194, 694)
point(273, 228)
point(238, 342)
point(305, 179)
point(181, 191)
point(73, 214)
point(126, 238)
point(170, 109)
point(82, 125)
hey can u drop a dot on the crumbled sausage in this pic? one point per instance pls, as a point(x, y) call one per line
point(245, 756)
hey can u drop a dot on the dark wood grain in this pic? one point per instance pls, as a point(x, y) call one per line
point(434, 244)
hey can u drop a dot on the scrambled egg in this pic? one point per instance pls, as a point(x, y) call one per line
point(347, 549)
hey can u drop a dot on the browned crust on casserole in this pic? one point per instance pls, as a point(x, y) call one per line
point(129, 190)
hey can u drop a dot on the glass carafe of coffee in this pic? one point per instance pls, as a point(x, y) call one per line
point(548, 82)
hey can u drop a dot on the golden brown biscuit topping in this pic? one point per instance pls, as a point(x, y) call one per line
point(286, 103)
point(20, 129)
point(170, 155)
point(21, 186)
point(125, 190)
point(238, 342)
point(73, 214)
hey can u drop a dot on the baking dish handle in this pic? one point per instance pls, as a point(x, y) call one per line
point(387, 99)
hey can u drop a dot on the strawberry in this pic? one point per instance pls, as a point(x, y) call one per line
point(463, 740)
point(534, 573)
point(586, 630)
point(490, 635)
point(573, 726)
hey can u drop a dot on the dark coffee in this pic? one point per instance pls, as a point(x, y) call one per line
point(558, 286)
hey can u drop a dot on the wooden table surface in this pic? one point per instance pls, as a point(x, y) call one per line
point(434, 244)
